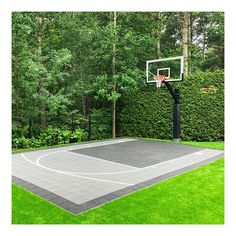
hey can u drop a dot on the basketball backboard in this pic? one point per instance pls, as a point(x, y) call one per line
point(172, 68)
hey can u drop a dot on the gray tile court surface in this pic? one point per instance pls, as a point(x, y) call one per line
point(80, 177)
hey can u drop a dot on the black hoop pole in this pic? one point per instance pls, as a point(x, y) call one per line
point(176, 112)
point(176, 117)
point(30, 128)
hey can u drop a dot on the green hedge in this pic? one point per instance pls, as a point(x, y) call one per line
point(148, 113)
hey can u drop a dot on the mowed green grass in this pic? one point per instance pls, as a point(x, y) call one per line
point(196, 197)
point(215, 145)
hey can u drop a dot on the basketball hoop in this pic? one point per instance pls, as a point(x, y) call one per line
point(159, 79)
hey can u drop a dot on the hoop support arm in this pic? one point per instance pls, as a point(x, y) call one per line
point(174, 92)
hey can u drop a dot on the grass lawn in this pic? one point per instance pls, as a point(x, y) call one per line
point(215, 145)
point(196, 197)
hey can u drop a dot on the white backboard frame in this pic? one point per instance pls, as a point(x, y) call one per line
point(181, 58)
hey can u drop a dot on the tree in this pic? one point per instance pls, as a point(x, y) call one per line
point(185, 40)
point(71, 62)
point(38, 68)
point(160, 25)
point(158, 34)
point(42, 90)
point(207, 34)
point(113, 75)
point(112, 84)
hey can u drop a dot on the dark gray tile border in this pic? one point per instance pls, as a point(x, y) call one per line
point(79, 208)
point(43, 193)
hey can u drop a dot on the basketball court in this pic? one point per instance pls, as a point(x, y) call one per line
point(84, 176)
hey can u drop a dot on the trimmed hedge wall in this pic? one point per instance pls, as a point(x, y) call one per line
point(148, 113)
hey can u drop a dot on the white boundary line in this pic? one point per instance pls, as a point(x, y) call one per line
point(138, 190)
point(113, 173)
point(99, 144)
point(141, 169)
point(70, 174)
point(82, 145)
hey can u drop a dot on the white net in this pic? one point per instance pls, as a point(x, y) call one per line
point(159, 79)
point(158, 83)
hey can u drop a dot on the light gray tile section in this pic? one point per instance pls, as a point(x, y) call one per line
point(72, 162)
point(95, 202)
point(35, 154)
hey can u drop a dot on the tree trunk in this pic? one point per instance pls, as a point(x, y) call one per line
point(158, 34)
point(83, 105)
point(185, 38)
point(83, 98)
point(189, 35)
point(30, 131)
point(17, 108)
point(113, 73)
point(42, 104)
point(204, 44)
point(114, 119)
point(158, 48)
point(41, 80)
point(17, 100)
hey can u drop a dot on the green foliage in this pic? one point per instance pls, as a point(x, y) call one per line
point(101, 124)
point(62, 63)
point(52, 136)
point(207, 50)
point(111, 89)
point(149, 112)
point(40, 69)
point(78, 136)
point(21, 142)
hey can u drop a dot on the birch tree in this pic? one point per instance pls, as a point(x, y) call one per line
point(185, 41)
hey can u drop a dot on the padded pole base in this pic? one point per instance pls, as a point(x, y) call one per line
point(177, 140)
